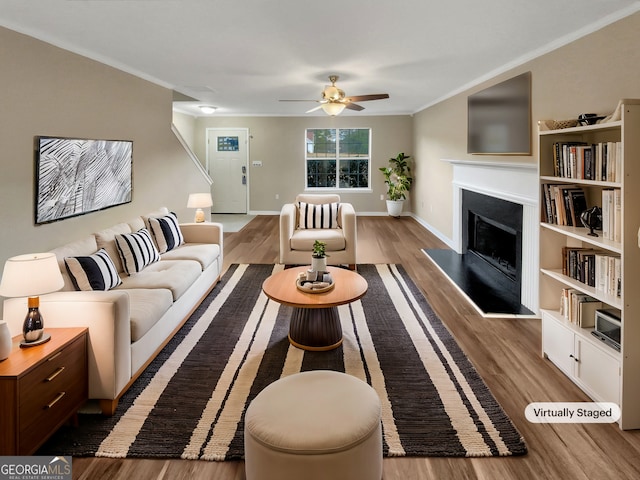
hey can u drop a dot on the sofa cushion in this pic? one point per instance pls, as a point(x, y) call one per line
point(83, 246)
point(93, 272)
point(174, 275)
point(203, 253)
point(136, 251)
point(166, 232)
point(324, 215)
point(147, 306)
point(303, 239)
point(107, 239)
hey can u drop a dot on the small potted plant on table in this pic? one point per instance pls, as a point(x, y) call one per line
point(319, 257)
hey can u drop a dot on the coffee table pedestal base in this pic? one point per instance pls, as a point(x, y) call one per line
point(315, 329)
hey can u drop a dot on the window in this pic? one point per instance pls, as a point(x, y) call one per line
point(333, 150)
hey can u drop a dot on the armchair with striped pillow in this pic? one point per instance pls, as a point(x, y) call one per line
point(318, 217)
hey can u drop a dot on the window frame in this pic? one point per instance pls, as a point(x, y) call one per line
point(338, 160)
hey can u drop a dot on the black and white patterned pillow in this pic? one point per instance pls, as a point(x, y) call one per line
point(93, 272)
point(136, 250)
point(324, 215)
point(166, 232)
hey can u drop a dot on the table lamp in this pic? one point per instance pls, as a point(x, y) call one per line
point(31, 275)
point(199, 201)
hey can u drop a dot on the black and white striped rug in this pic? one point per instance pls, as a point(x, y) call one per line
point(190, 402)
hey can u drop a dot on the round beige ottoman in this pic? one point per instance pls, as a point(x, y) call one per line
point(312, 426)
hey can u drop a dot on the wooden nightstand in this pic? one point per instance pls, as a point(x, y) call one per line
point(41, 388)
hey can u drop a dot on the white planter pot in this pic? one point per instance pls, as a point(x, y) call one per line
point(394, 207)
point(319, 264)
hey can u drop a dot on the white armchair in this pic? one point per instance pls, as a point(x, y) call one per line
point(296, 237)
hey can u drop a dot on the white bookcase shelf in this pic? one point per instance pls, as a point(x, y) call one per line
point(602, 372)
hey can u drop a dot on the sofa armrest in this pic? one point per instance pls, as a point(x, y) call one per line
point(287, 226)
point(106, 314)
point(207, 232)
point(348, 222)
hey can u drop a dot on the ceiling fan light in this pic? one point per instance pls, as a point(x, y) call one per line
point(333, 109)
point(333, 93)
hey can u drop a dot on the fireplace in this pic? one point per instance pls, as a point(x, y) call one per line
point(495, 243)
point(493, 255)
point(492, 232)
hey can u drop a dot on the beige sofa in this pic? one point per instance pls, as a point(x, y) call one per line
point(129, 324)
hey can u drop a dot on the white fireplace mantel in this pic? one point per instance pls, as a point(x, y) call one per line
point(514, 182)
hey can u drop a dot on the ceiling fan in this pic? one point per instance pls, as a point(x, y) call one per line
point(334, 100)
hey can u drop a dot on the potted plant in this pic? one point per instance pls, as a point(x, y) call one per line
point(398, 178)
point(319, 257)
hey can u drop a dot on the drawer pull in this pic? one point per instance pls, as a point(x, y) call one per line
point(55, 400)
point(54, 357)
point(54, 374)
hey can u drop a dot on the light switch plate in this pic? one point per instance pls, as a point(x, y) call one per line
point(257, 163)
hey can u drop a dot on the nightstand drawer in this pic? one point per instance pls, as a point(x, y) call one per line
point(54, 386)
point(41, 387)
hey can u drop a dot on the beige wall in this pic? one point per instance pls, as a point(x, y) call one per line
point(279, 143)
point(48, 91)
point(589, 75)
point(186, 125)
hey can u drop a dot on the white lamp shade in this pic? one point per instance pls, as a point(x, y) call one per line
point(199, 200)
point(333, 108)
point(31, 275)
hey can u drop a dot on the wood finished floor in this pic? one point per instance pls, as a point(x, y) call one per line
point(506, 353)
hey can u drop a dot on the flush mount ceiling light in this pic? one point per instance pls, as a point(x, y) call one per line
point(207, 109)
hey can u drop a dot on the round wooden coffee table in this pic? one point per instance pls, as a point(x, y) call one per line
point(315, 324)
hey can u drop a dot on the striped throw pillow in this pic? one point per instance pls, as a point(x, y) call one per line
point(324, 215)
point(93, 272)
point(136, 250)
point(166, 232)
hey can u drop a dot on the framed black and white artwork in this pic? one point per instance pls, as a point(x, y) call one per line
point(77, 176)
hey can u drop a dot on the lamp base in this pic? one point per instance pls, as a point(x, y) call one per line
point(44, 339)
point(199, 216)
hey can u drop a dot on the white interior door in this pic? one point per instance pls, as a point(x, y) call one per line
point(227, 161)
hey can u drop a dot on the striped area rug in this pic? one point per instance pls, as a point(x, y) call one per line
point(190, 402)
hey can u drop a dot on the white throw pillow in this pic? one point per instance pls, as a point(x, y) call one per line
point(324, 215)
point(166, 232)
point(136, 250)
point(93, 272)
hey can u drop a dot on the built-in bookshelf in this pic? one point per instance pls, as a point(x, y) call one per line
point(582, 167)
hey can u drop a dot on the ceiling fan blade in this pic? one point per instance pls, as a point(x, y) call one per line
point(354, 106)
point(364, 98)
point(299, 100)
point(314, 109)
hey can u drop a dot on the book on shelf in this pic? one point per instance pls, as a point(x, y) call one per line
point(611, 214)
point(598, 161)
point(579, 308)
point(608, 269)
point(563, 204)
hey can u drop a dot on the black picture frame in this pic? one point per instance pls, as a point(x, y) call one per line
point(76, 176)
